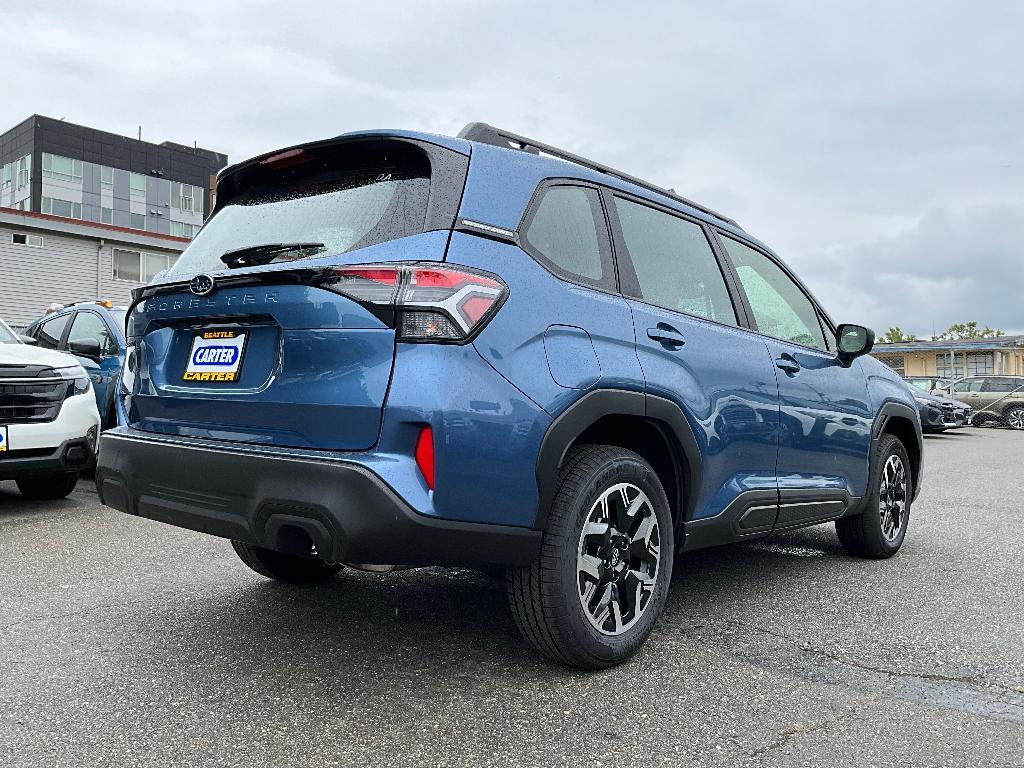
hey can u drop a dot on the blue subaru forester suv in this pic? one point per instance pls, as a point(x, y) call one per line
point(393, 348)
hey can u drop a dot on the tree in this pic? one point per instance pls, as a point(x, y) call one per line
point(962, 331)
point(895, 335)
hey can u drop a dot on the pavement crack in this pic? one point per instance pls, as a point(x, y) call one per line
point(928, 677)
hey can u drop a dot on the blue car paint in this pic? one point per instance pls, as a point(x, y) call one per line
point(513, 341)
point(103, 373)
point(826, 421)
point(491, 402)
point(724, 381)
point(318, 363)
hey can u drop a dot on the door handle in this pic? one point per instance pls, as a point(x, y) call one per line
point(667, 335)
point(787, 364)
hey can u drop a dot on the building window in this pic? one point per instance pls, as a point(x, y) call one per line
point(895, 360)
point(180, 229)
point(977, 364)
point(58, 167)
point(107, 215)
point(66, 208)
point(185, 203)
point(127, 265)
point(138, 184)
point(137, 221)
point(5, 175)
point(35, 241)
point(106, 177)
point(140, 267)
point(24, 170)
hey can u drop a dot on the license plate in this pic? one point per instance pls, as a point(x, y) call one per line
point(3, 439)
point(216, 357)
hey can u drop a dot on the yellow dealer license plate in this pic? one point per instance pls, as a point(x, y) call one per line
point(216, 357)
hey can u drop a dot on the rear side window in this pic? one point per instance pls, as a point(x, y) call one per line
point(673, 264)
point(49, 333)
point(321, 201)
point(781, 309)
point(566, 233)
point(968, 385)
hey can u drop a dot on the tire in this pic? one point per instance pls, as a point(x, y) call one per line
point(1013, 417)
point(48, 488)
point(547, 597)
point(871, 533)
point(285, 567)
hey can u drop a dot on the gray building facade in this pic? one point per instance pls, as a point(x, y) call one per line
point(86, 214)
point(62, 169)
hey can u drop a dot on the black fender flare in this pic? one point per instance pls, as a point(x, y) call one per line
point(597, 404)
point(889, 410)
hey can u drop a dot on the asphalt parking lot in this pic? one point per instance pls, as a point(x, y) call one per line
point(126, 642)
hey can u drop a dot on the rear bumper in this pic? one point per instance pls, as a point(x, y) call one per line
point(70, 456)
point(348, 512)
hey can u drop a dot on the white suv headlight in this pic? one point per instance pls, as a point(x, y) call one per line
point(77, 378)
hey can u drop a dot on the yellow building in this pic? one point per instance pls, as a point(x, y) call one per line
point(953, 359)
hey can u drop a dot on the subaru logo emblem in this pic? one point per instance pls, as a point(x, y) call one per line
point(201, 285)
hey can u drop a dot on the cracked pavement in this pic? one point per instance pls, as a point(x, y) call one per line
point(125, 642)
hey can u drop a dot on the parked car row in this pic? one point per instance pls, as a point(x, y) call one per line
point(992, 399)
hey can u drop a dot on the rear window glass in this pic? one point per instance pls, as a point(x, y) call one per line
point(329, 200)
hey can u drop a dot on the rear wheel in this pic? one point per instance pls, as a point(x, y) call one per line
point(600, 581)
point(1014, 417)
point(282, 566)
point(878, 532)
point(48, 488)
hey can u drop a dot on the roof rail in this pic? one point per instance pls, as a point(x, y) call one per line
point(499, 137)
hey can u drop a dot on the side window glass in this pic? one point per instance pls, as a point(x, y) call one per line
point(968, 385)
point(90, 326)
point(780, 308)
point(50, 332)
point(566, 234)
point(673, 263)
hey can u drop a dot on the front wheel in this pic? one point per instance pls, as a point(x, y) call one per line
point(48, 488)
point(282, 566)
point(601, 578)
point(879, 530)
point(1014, 417)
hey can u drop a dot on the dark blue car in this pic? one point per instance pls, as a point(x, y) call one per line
point(94, 333)
point(392, 348)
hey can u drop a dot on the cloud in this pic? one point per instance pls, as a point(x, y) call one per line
point(950, 267)
point(823, 128)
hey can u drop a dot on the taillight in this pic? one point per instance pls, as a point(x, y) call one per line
point(432, 302)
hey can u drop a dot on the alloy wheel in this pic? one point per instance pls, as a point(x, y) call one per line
point(618, 559)
point(892, 498)
point(1015, 418)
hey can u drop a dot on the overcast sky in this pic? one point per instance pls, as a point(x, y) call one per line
point(877, 146)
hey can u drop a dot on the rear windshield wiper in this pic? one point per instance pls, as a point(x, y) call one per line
point(254, 255)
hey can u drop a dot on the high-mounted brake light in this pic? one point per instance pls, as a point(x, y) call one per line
point(286, 158)
point(433, 302)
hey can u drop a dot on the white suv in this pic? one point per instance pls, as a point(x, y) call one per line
point(48, 418)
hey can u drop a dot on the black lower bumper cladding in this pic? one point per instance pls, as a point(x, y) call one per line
point(71, 456)
point(348, 512)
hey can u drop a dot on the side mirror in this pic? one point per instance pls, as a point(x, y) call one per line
point(86, 348)
point(26, 339)
point(854, 341)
